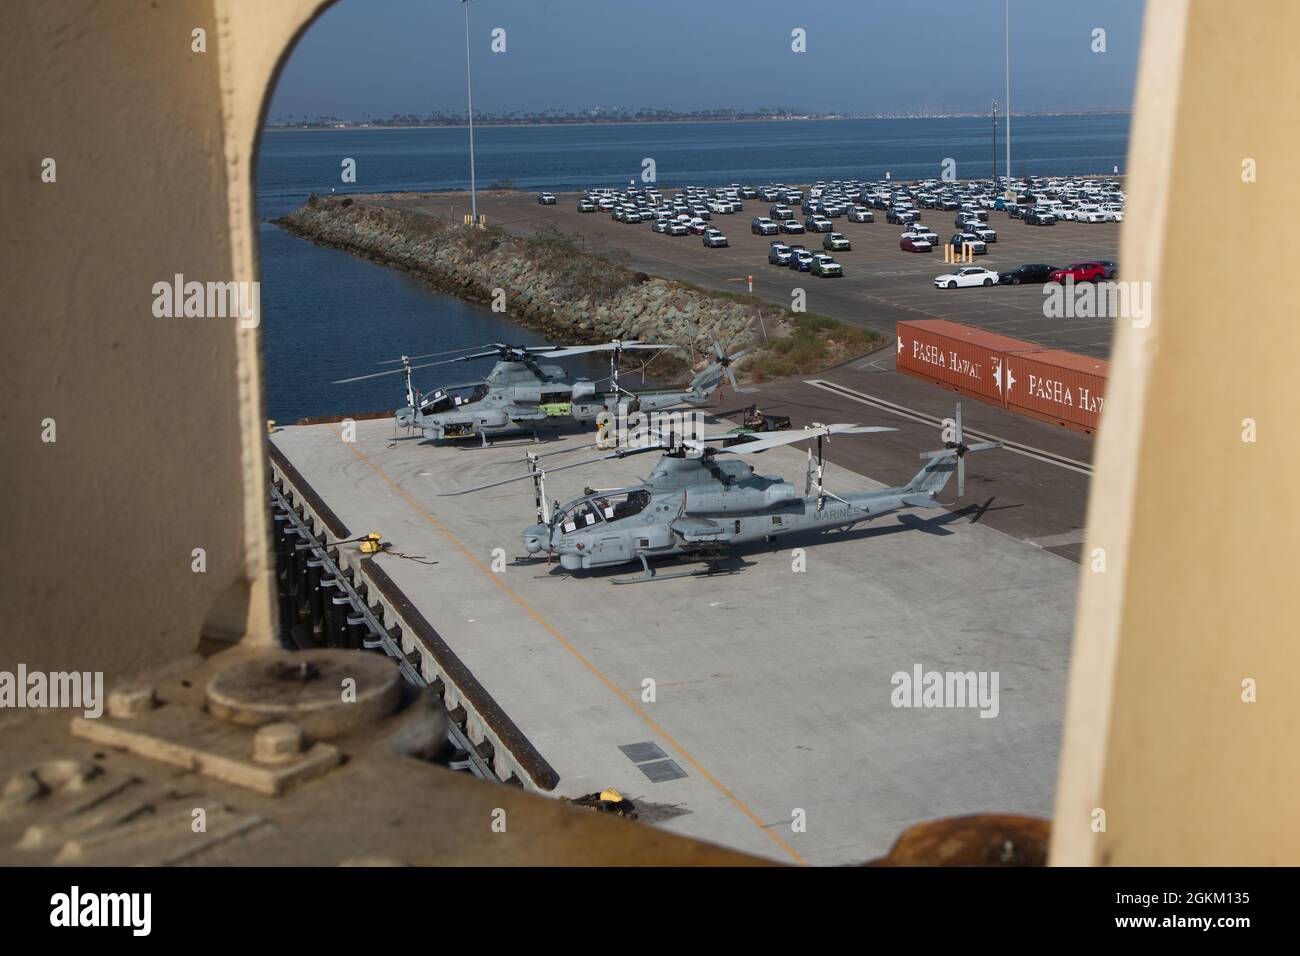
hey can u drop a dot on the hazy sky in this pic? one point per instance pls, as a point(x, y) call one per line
point(408, 56)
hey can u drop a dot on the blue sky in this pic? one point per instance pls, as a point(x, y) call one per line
point(408, 56)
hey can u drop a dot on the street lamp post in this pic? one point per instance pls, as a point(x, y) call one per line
point(1007, 56)
point(469, 93)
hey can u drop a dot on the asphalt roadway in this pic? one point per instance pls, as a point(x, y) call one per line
point(881, 285)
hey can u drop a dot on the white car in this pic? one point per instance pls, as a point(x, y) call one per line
point(921, 232)
point(971, 275)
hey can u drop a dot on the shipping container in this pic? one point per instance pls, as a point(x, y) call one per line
point(1056, 386)
point(965, 359)
point(1048, 384)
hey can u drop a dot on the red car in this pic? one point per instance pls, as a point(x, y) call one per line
point(915, 245)
point(1079, 272)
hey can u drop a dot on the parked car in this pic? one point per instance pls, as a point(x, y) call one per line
point(826, 267)
point(678, 228)
point(984, 232)
point(1034, 273)
point(961, 240)
point(1040, 217)
point(792, 226)
point(661, 225)
point(818, 224)
point(914, 243)
point(923, 232)
point(714, 239)
point(970, 275)
point(780, 213)
point(762, 226)
point(778, 254)
point(546, 199)
point(835, 242)
point(1112, 268)
point(1079, 272)
point(861, 214)
point(801, 259)
point(586, 205)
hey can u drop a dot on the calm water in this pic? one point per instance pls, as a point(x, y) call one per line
point(328, 315)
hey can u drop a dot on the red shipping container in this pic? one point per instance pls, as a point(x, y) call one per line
point(1055, 386)
point(960, 357)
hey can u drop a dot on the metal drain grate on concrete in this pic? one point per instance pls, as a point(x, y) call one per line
point(660, 770)
point(640, 753)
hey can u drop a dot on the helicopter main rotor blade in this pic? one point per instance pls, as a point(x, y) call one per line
point(563, 351)
point(414, 358)
point(791, 437)
point(399, 371)
point(620, 453)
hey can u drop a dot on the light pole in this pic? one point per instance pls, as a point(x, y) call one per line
point(1007, 57)
point(469, 93)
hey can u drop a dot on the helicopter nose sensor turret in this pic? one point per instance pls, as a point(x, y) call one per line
point(536, 537)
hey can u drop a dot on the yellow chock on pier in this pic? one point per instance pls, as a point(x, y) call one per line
point(611, 796)
point(371, 543)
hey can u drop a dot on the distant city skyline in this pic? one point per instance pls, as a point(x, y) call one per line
point(382, 57)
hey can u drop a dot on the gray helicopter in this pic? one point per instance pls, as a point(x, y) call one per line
point(699, 502)
point(521, 397)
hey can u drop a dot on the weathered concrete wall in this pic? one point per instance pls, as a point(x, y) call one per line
point(146, 465)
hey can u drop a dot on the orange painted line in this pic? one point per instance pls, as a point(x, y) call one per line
point(577, 654)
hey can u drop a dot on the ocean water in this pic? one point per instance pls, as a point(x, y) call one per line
point(328, 315)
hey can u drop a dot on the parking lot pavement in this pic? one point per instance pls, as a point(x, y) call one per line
point(881, 285)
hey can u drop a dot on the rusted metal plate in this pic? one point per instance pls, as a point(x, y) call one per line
point(990, 839)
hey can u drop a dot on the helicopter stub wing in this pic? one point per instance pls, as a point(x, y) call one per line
point(525, 413)
point(698, 530)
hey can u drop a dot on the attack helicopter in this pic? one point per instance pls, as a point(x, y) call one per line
point(520, 396)
point(700, 502)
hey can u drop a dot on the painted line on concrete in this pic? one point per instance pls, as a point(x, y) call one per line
point(573, 651)
point(1029, 451)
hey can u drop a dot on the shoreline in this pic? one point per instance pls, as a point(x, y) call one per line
point(557, 287)
point(666, 122)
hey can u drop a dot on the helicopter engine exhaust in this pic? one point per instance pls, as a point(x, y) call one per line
point(739, 499)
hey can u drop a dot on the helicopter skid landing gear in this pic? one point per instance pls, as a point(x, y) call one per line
point(712, 566)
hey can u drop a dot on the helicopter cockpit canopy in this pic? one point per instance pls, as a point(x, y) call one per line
point(600, 508)
point(449, 399)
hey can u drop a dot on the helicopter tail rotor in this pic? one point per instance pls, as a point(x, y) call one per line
point(934, 476)
point(720, 370)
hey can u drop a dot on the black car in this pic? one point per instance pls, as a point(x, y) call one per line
point(1112, 268)
point(1040, 219)
point(1026, 275)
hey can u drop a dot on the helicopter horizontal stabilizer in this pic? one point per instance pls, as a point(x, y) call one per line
point(920, 501)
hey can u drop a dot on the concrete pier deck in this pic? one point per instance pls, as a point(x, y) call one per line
point(772, 688)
